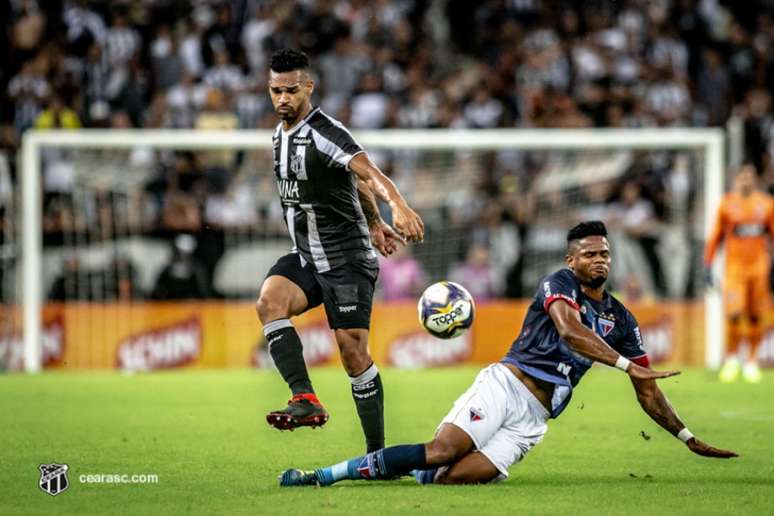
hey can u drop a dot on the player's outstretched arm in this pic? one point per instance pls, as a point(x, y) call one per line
point(568, 323)
point(405, 220)
point(383, 237)
point(657, 406)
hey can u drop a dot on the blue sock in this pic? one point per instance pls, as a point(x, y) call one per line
point(387, 463)
point(424, 476)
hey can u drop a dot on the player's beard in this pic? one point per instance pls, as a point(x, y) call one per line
point(595, 281)
point(289, 115)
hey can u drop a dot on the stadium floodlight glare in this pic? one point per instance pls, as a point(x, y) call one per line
point(708, 141)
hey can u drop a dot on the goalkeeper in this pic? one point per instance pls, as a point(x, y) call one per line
point(571, 323)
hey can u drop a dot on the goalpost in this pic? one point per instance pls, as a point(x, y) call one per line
point(710, 142)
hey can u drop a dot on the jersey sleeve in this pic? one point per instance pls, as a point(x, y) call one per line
point(336, 145)
point(631, 346)
point(558, 286)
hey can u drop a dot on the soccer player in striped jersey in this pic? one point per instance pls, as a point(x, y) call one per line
point(571, 323)
point(327, 185)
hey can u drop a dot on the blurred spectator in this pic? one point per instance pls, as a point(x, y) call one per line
point(483, 111)
point(179, 195)
point(223, 76)
point(122, 41)
point(253, 36)
point(401, 276)
point(476, 273)
point(714, 88)
point(217, 115)
point(57, 116)
point(184, 100)
point(370, 106)
point(121, 282)
point(28, 90)
point(71, 283)
point(636, 216)
point(184, 277)
point(118, 281)
point(166, 63)
point(341, 71)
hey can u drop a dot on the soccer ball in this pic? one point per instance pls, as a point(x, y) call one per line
point(446, 309)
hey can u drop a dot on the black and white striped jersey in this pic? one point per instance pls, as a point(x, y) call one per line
point(319, 193)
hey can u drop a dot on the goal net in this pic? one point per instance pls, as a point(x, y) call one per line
point(122, 218)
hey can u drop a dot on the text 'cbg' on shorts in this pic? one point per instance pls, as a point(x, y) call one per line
point(347, 291)
point(501, 416)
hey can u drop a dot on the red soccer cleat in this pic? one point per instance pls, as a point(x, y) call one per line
point(302, 410)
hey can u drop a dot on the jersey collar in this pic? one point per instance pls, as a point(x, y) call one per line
point(606, 302)
point(300, 124)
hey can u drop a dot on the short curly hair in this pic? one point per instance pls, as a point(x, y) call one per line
point(289, 60)
point(587, 228)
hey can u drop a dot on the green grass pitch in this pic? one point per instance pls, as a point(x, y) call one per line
point(203, 433)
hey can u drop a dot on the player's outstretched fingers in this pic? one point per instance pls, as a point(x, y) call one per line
point(643, 373)
point(701, 448)
point(666, 374)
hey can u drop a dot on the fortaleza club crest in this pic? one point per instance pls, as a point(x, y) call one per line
point(605, 326)
point(53, 478)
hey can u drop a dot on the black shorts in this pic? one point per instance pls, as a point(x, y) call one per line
point(347, 291)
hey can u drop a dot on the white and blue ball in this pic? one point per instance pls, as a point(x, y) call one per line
point(446, 309)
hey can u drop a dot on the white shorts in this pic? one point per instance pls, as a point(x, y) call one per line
point(502, 417)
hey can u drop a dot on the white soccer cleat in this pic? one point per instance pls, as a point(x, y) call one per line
point(752, 373)
point(730, 370)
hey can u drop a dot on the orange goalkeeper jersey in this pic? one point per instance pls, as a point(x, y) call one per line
point(743, 223)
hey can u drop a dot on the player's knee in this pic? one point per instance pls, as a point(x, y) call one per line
point(441, 452)
point(270, 309)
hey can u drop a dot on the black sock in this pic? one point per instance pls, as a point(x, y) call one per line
point(369, 399)
point(288, 355)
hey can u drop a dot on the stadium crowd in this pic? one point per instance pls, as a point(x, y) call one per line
point(395, 64)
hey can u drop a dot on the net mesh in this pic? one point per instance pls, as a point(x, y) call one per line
point(150, 224)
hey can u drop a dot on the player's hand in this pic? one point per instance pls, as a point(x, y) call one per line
point(408, 223)
point(705, 450)
point(643, 373)
point(385, 239)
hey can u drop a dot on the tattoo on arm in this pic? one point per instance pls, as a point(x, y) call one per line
point(368, 203)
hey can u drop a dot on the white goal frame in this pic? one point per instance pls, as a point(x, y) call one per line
point(711, 141)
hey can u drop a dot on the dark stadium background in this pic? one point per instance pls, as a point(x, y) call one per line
point(384, 64)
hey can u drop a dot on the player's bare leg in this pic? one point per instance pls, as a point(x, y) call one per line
point(279, 300)
point(450, 444)
point(367, 391)
point(473, 468)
